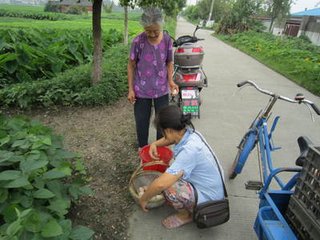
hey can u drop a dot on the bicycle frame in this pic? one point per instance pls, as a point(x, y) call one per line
point(270, 222)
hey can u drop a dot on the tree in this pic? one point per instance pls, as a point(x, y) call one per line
point(170, 7)
point(202, 8)
point(239, 19)
point(97, 43)
point(278, 9)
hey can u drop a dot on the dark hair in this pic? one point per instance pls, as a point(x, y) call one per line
point(172, 117)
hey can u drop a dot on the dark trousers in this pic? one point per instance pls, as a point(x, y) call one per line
point(142, 114)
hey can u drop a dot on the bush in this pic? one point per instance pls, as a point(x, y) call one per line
point(28, 55)
point(78, 10)
point(73, 86)
point(39, 180)
point(49, 7)
point(34, 15)
point(305, 38)
point(293, 57)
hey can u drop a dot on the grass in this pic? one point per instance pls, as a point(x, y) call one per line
point(80, 23)
point(294, 58)
point(22, 8)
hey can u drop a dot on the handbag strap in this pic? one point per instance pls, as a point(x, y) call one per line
point(215, 158)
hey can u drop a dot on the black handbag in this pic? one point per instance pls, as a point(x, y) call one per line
point(215, 212)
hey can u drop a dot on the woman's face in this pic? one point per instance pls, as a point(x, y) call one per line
point(153, 31)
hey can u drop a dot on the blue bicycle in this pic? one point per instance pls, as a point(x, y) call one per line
point(258, 133)
point(275, 206)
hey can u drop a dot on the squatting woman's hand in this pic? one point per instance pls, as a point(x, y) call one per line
point(143, 204)
point(153, 151)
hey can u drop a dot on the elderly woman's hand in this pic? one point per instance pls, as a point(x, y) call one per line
point(153, 151)
point(143, 204)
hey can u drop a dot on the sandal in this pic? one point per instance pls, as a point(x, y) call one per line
point(173, 221)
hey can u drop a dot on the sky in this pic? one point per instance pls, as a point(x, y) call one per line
point(299, 5)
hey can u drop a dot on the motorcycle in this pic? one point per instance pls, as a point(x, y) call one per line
point(188, 73)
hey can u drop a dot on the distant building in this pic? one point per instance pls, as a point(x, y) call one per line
point(65, 5)
point(301, 23)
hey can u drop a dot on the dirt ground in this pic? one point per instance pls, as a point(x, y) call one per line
point(105, 136)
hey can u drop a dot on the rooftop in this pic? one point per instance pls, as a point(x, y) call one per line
point(311, 12)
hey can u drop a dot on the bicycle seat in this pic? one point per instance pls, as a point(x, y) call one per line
point(304, 143)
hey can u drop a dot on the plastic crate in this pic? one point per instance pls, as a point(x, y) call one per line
point(304, 225)
point(303, 212)
point(307, 189)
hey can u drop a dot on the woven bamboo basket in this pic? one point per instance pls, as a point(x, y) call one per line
point(141, 178)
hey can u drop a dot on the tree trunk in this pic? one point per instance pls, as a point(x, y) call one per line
point(125, 39)
point(97, 43)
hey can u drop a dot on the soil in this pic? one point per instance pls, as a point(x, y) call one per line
point(105, 136)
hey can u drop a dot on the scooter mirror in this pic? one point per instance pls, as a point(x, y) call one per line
point(197, 27)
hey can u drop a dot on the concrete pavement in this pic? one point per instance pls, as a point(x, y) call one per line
point(226, 114)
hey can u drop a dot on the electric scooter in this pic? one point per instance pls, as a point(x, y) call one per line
point(188, 73)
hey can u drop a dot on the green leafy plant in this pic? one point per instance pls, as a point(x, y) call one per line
point(39, 180)
point(33, 15)
point(27, 55)
point(295, 58)
point(73, 87)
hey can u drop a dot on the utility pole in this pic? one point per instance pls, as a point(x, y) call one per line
point(211, 9)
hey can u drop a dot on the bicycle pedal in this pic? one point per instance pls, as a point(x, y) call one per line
point(253, 185)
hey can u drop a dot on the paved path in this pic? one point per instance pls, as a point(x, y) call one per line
point(225, 116)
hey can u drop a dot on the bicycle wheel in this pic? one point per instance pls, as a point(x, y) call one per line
point(247, 143)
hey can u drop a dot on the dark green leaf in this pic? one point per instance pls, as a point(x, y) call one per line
point(51, 229)
point(33, 223)
point(60, 206)
point(17, 183)
point(5, 155)
point(14, 228)
point(3, 195)
point(43, 194)
point(4, 140)
point(81, 233)
point(9, 175)
point(32, 164)
point(53, 174)
point(23, 144)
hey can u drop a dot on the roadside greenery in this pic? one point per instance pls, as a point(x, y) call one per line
point(27, 55)
point(72, 87)
point(39, 181)
point(33, 15)
point(295, 58)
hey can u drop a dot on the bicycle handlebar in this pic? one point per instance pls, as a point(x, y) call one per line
point(301, 100)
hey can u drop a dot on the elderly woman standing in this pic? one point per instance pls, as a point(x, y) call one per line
point(150, 70)
point(195, 170)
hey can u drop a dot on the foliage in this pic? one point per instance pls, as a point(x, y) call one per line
point(239, 19)
point(108, 6)
point(33, 15)
point(49, 7)
point(73, 86)
point(26, 55)
point(39, 180)
point(78, 10)
point(278, 9)
point(201, 10)
point(170, 7)
point(293, 57)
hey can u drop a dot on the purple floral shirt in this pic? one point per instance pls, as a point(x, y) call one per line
point(151, 76)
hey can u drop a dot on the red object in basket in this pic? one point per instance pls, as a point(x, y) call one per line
point(165, 155)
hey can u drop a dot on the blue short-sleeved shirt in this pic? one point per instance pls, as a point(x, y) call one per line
point(194, 159)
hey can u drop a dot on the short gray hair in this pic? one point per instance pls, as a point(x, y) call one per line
point(151, 16)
